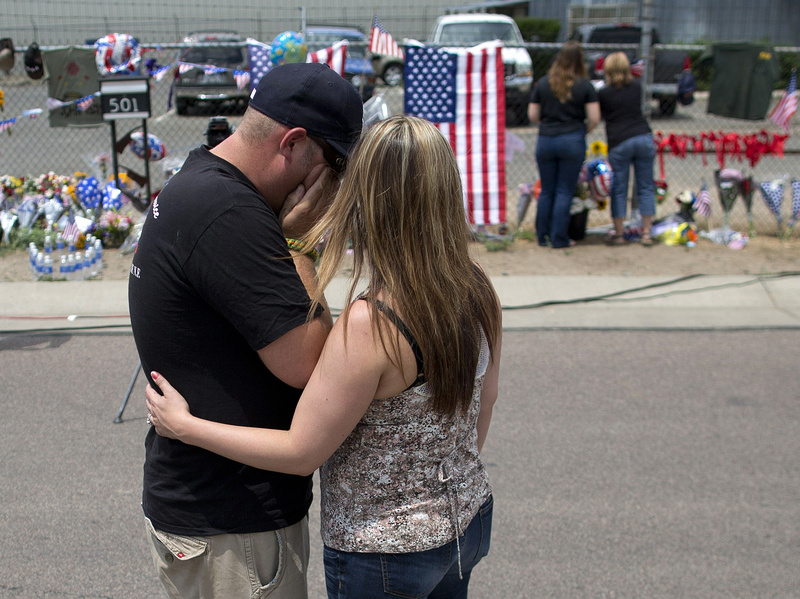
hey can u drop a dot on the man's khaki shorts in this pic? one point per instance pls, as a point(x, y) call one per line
point(233, 566)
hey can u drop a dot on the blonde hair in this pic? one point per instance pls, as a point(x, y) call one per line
point(566, 68)
point(400, 207)
point(617, 69)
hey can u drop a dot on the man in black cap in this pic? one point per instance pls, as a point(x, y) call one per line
point(218, 299)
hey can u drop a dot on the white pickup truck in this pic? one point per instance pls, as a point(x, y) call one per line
point(463, 30)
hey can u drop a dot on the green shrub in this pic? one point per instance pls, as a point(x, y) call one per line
point(540, 30)
point(18, 239)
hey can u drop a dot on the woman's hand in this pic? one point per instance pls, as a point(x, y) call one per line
point(167, 412)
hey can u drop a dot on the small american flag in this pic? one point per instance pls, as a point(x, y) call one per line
point(787, 106)
point(242, 78)
point(637, 68)
point(84, 102)
point(381, 41)
point(6, 125)
point(71, 230)
point(462, 92)
point(334, 56)
point(702, 204)
point(258, 55)
point(159, 72)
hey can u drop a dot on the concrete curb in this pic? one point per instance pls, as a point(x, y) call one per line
point(530, 302)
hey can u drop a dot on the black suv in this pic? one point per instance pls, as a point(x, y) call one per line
point(667, 67)
point(199, 85)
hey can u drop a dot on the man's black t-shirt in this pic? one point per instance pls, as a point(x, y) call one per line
point(211, 283)
point(558, 118)
point(622, 111)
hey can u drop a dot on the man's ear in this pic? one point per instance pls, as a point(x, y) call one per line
point(290, 139)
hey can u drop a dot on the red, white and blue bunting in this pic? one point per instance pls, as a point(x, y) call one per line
point(81, 104)
point(5, 125)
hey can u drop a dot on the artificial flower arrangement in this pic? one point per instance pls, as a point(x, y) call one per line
point(113, 228)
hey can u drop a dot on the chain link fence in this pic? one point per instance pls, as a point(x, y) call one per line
point(689, 154)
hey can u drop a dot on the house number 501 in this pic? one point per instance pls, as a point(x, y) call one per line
point(123, 104)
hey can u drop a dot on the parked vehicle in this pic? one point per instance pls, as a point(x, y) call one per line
point(472, 29)
point(357, 68)
point(198, 85)
point(667, 67)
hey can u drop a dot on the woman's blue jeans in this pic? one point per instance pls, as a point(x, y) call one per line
point(639, 151)
point(432, 574)
point(560, 159)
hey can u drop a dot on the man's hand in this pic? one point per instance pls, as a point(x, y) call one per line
point(306, 204)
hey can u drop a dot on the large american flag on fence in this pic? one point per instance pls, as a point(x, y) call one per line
point(462, 91)
point(381, 41)
point(787, 106)
point(334, 56)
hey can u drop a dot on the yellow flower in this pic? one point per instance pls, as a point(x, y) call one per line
point(598, 148)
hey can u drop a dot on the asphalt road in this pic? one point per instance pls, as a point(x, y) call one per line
point(624, 464)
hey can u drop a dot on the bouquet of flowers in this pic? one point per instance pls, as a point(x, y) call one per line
point(113, 228)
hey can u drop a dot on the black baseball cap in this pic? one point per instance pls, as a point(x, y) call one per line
point(313, 96)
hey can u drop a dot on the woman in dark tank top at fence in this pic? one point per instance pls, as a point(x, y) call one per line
point(564, 103)
point(630, 143)
point(399, 405)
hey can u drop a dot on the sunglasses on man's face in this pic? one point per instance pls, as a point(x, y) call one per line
point(335, 160)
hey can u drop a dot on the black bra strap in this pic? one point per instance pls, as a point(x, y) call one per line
point(406, 332)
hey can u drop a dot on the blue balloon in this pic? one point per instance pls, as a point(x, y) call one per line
point(288, 47)
point(112, 197)
point(88, 192)
point(155, 147)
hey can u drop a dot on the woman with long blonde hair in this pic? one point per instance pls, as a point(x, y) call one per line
point(565, 104)
point(630, 142)
point(398, 407)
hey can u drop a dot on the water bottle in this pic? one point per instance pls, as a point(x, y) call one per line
point(98, 254)
point(48, 267)
point(71, 267)
point(60, 241)
point(48, 244)
point(87, 263)
point(39, 265)
point(78, 273)
point(71, 245)
point(63, 269)
point(32, 253)
point(95, 267)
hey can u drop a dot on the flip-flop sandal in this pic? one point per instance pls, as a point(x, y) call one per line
point(613, 239)
point(647, 240)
